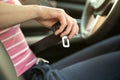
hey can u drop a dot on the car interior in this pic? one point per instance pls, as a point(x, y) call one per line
point(97, 20)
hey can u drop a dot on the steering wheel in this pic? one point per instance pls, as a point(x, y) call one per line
point(98, 18)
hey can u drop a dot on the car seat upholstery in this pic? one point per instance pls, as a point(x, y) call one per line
point(7, 71)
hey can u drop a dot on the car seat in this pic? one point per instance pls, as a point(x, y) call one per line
point(7, 71)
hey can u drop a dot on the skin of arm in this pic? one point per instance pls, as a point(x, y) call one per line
point(15, 14)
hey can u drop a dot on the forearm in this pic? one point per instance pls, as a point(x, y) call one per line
point(14, 14)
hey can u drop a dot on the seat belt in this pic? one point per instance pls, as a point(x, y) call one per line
point(51, 40)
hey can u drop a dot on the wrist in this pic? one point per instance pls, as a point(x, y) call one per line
point(35, 10)
point(42, 12)
point(38, 11)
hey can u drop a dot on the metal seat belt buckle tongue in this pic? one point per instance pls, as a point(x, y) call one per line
point(65, 40)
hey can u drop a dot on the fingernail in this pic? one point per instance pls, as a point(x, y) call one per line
point(69, 37)
point(61, 35)
point(56, 33)
point(76, 34)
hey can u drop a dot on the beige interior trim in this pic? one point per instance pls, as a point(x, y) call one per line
point(99, 23)
point(94, 23)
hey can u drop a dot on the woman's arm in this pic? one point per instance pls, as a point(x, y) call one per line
point(47, 16)
point(15, 14)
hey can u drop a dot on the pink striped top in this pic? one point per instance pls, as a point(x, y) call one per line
point(17, 47)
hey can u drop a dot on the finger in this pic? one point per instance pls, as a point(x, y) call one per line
point(77, 27)
point(63, 23)
point(73, 31)
point(68, 28)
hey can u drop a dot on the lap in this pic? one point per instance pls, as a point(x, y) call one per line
point(104, 67)
point(98, 62)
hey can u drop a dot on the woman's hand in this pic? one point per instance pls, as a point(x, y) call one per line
point(48, 16)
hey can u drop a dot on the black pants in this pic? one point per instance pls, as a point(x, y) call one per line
point(98, 62)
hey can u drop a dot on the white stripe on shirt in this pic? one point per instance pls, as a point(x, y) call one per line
point(22, 60)
point(5, 30)
point(34, 60)
point(11, 37)
point(18, 43)
point(21, 52)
